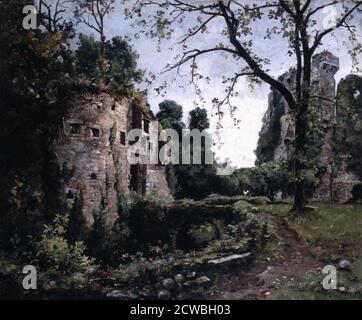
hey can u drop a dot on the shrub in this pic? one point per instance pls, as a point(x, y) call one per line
point(55, 252)
point(147, 221)
point(201, 235)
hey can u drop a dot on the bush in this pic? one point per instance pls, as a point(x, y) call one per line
point(54, 251)
point(147, 221)
point(201, 235)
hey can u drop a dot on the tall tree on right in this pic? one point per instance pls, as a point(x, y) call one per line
point(297, 23)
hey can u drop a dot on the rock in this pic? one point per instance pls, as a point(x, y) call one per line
point(191, 275)
point(179, 278)
point(344, 265)
point(262, 277)
point(202, 280)
point(146, 293)
point(229, 262)
point(234, 257)
point(164, 295)
point(118, 294)
point(168, 283)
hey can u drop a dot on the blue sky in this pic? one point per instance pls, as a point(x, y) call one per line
point(237, 144)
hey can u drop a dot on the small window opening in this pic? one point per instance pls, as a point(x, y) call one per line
point(95, 132)
point(94, 176)
point(146, 126)
point(114, 105)
point(70, 195)
point(123, 138)
point(75, 128)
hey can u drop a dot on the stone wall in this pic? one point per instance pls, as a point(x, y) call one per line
point(91, 149)
point(334, 185)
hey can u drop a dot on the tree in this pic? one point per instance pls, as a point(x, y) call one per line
point(170, 116)
point(295, 22)
point(198, 119)
point(92, 13)
point(52, 15)
point(36, 68)
point(122, 72)
point(197, 180)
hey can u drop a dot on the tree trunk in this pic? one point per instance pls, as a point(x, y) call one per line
point(299, 161)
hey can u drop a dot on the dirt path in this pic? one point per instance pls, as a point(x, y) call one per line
point(290, 268)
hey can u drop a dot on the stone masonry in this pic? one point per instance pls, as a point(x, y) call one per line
point(91, 149)
point(333, 186)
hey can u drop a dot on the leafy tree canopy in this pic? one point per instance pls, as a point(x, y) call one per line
point(118, 68)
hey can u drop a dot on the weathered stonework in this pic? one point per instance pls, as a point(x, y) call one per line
point(91, 149)
point(334, 185)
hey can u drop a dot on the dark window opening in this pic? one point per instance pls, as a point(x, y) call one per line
point(114, 105)
point(357, 192)
point(75, 128)
point(146, 126)
point(95, 132)
point(123, 138)
point(138, 181)
point(70, 195)
point(99, 105)
point(94, 176)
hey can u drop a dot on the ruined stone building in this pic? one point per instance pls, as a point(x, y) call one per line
point(336, 181)
point(91, 149)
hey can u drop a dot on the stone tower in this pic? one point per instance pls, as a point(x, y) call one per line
point(325, 65)
point(323, 107)
point(91, 149)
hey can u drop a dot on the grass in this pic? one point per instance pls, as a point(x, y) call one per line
point(349, 287)
point(334, 231)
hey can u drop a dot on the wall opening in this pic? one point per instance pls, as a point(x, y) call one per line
point(138, 178)
point(75, 128)
point(114, 105)
point(146, 125)
point(123, 138)
point(357, 192)
point(94, 176)
point(70, 195)
point(96, 133)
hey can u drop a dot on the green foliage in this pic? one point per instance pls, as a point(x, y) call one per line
point(202, 234)
point(266, 180)
point(147, 221)
point(170, 116)
point(332, 230)
point(36, 70)
point(54, 252)
point(269, 140)
point(349, 131)
point(76, 223)
point(117, 69)
point(198, 119)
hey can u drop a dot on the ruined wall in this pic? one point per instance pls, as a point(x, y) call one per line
point(336, 180)
point(91, 149)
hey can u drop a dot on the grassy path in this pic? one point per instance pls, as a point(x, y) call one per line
point(293, 263)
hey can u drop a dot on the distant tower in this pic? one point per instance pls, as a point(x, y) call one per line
point(324, 67)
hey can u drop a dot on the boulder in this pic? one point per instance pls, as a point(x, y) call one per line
point(344, 265)
point(234, 261)
point(123, 295)
point(164, 295)
point(168, 283)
